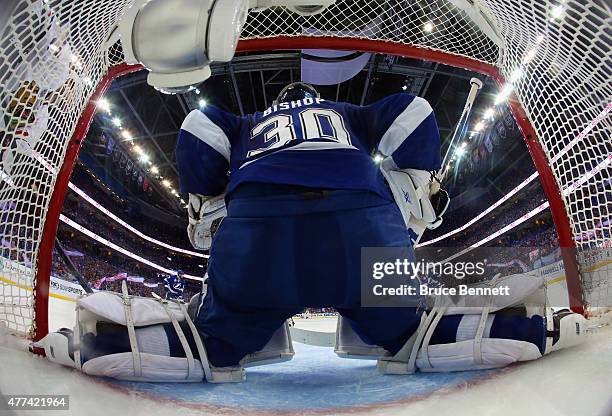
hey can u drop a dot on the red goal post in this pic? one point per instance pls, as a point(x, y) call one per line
point(558, 99)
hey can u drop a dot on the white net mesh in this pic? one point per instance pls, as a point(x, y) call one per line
point(51, 58)
point(53, 54)
point(383, 20)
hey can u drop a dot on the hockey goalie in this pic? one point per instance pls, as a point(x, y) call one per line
point(299, 195)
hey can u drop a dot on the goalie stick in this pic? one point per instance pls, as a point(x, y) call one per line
point(461, 128)
point(71, 267)
point(440, 181)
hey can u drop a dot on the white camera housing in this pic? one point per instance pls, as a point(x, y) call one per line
point(176, 40)
point(301, 7)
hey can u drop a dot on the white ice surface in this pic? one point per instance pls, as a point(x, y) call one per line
point(576, 382)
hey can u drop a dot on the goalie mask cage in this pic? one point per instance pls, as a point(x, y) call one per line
point(57, 57)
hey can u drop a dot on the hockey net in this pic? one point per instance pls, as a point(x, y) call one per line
point(552, 58)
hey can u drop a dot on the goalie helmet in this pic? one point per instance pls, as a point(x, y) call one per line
point(297, 91)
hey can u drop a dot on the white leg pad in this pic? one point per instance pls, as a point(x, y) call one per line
point(459, 356)
point(153, 368)
point(133, 313)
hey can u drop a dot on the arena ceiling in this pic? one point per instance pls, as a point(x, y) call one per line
point(250, 83)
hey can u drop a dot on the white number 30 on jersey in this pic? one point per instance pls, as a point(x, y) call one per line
point(316, 123)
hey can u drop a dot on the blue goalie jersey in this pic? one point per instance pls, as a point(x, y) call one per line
point(312, 143)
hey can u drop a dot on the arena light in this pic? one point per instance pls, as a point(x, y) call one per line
point(529, 55)
point(166, 183)
point(460, 151)
point(479, 126)
point(405, 87)
point(503, 94)
point(104, 105)
point(74, 60)
point(126, 135)
point(202, 103)
point(54, 48)
point(144, 158)
point(6, 178)
point(428, 27)
point(137, 149)
point(154, 169)
point(557, 12)
point(378, 158)
point(489, 113)
point(116, 121)
point(517, 74)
